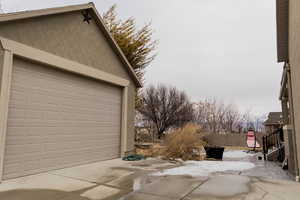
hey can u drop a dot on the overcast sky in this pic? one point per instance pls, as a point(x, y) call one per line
point(224, 49)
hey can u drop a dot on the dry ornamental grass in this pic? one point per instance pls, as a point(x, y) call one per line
point(184, 143)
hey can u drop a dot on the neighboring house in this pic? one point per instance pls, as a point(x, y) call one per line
point(67, 91)
point(288, 45)
point(273, 123)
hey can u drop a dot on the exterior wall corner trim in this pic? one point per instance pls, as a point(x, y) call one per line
point(4, 100)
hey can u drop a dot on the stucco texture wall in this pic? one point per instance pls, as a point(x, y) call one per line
point(66, 35)
point(294, 59)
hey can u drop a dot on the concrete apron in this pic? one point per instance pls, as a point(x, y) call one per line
point(215, 187)
point(103, 180)
point(116, 179)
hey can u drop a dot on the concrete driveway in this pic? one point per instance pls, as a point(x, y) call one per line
point(103, 180)
point(117, 179)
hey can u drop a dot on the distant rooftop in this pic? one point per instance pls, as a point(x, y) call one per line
point(274, 118)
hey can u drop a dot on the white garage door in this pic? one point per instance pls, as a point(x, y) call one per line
point(58, 119)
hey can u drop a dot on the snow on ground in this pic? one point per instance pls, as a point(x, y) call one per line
point(235, 154)
point(204, 168)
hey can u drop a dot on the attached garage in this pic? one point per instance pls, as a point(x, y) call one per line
point(58, 113)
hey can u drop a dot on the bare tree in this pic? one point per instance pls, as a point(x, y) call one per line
point(205, 114)
point(247, 119)
point(221, 117)
point(258, 122)
point(144, 129)
point(232, 118)
point(166, 107)
point(217, 117)
point(209, 113)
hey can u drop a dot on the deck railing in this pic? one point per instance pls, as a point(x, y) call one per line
point(273, 141)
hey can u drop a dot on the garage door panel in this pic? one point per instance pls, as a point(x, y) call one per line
point(27, 149)
point(68, 132)
point(50, 162)
point(57, 119)
point(53, 109)
point(59, 123)
point(64, 101)
point(52, 135)
point(67, 103)
point(38, 120)
point(38, 152)
point(84, 92)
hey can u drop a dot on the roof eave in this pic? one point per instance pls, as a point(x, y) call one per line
point(89, 6)
point(282, 20)
point(42, 12)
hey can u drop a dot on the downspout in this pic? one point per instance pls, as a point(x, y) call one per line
point(288, 70)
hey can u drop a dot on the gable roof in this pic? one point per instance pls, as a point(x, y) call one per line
point(274, 118)
point(93, 12)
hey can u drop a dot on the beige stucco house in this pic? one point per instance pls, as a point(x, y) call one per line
point(67, 91)
point(288, 45)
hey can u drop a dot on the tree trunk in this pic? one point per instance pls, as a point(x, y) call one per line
point(160, 134)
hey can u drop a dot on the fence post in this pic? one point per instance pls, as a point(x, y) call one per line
point(264, 147)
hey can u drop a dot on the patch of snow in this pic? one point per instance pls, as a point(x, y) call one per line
point(235, 154)
point(137, 184)
point(204, 168)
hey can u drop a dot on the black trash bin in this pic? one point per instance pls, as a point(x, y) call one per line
point(214, 152)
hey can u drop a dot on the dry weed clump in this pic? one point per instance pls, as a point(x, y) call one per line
point(153, 151)
point(184, 143)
